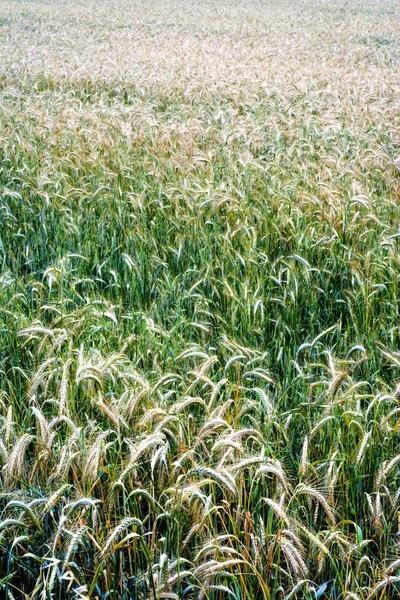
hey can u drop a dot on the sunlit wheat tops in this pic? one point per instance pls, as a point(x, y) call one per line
point(199, 300)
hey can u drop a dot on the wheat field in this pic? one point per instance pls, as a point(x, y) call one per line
point(199, 299)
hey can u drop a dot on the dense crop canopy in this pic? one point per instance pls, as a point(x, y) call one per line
point(199, 299)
